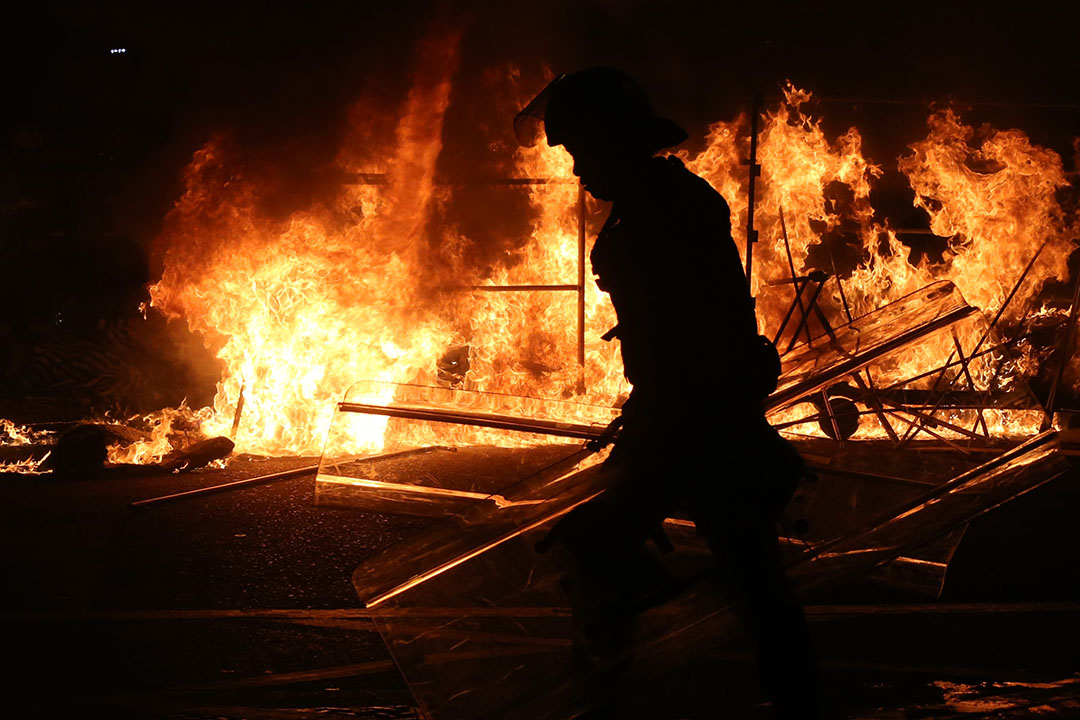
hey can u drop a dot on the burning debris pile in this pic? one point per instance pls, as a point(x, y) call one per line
point(170, 440)
point(372, 282)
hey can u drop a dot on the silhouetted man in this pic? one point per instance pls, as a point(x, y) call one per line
point(694, 434)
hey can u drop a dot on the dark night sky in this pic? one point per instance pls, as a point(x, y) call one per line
point(95, 142)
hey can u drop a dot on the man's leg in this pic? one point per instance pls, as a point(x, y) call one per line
point(748, 553)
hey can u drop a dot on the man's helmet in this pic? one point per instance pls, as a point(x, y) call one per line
point(597, 106)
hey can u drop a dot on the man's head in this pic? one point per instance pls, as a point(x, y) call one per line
point(605, 121)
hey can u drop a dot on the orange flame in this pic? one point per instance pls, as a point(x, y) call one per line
point(993, 194)
point(353, 289)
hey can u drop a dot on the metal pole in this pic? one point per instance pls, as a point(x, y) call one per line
point(916, 427)
point(1012, 294)
point(234, 485)
point(511, 288)
point(950, 363)
point(914, 430)
point(804, 323)
point(799, 287)
point(868, 397)
point(791, 267)
point(978, 345)
point(840, 287)
point(272, 477)
point(832, 418)
point(237, 413)
point(971, 381)
point(581, 289)
point(751, 233)
point(1070, 329)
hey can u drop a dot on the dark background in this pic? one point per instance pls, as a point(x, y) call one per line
point(94, 142)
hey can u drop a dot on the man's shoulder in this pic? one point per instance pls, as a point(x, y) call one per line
point(671, 182)
point(692, 179)
point(675, 194)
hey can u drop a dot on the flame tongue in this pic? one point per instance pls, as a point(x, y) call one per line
point(355, 289)
point(305, 309)
point(993, 194)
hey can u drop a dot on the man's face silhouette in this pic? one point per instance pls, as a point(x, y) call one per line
point(605, 171)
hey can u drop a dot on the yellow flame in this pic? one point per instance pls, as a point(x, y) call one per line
point(353, 288)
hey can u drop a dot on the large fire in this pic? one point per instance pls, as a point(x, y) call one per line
point(364, 286)
point(992, 193)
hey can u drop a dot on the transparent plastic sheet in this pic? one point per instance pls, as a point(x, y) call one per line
point(941, 509)
point(478, 622)
point(433, 451)
point(531, 503)
point(937, 374)
point(809, 368)
point(490, 637)
point(920, 571)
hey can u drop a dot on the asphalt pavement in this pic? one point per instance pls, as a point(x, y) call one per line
point(239, 605)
